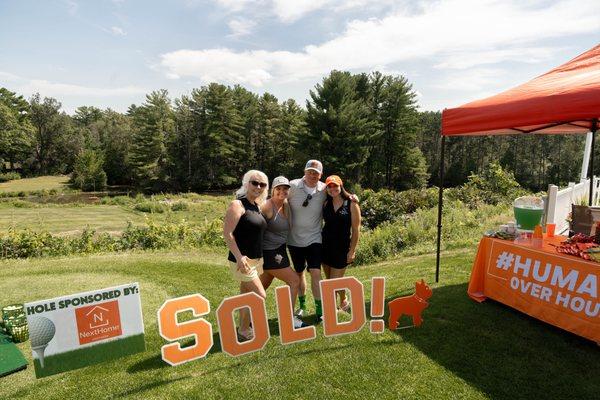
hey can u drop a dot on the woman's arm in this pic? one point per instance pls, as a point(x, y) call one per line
point(287, 211)
point(267, 209)
point(232, 217)
point(355, 214)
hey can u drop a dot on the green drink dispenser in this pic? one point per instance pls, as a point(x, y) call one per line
point(529, 211)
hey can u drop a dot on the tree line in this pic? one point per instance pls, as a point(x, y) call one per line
point(365, 127)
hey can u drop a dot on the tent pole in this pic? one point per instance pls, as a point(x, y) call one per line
point(440, 205)
point(591, 171)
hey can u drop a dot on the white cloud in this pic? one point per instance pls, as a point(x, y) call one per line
point(466, 59)
point(288, 11)
point(54, 89)
point(473, 80)
point(291, 10)
point(236, 5)
point(115, 30)
point(57, 89)
point(8, 77)
point(450, 34)
point(241, 27)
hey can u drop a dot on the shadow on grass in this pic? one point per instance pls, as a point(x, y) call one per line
point(502, 352)
point(150, 386)
point(156, 361)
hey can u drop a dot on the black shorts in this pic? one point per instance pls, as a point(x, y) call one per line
point(337, 261)
point(306, 257)
point(276, 259)
point(336, 256)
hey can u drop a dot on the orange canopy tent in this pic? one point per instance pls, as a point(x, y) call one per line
point(563, 100)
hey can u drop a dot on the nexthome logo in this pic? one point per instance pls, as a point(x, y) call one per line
point(98, 322)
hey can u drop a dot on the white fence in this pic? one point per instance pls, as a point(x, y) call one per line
point(558, 202)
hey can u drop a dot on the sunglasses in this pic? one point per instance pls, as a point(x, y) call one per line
point(308, 198)
point(261, 185)
point(332, 186)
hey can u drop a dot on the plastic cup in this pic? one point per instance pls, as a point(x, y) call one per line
point(550, 228)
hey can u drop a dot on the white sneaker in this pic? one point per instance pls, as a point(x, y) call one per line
point(299, 312)
point(298, 323)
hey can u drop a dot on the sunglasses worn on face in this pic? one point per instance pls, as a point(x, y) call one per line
point(332, 186)
point(261, 185)
point(308, 198)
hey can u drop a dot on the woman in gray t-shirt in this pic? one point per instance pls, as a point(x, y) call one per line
point(276, 261)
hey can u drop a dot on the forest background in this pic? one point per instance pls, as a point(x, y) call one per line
point(366, 128)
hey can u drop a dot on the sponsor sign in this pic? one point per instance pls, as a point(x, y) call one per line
point(86, 328)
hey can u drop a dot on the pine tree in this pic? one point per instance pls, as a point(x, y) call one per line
point(225, 140)
point(339, 126)
point(153, 126)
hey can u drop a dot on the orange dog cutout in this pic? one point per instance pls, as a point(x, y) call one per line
point(410, 305)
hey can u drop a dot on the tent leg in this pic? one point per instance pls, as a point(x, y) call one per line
point(440, 206)
point(591, 171)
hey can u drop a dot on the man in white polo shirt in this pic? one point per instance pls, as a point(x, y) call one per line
point(306, 199)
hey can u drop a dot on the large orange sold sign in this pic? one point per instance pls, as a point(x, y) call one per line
point(201, 330)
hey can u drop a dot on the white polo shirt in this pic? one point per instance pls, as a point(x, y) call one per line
point(307, 222)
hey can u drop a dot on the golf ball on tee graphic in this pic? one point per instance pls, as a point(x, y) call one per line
point(41, 332)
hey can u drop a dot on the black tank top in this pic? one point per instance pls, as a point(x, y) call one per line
point(338, 224)
point(248, 232)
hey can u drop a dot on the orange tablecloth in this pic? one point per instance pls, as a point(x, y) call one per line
point(559, 289)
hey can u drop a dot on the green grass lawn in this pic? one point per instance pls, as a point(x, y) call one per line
point(72, 218)
point(59, 182)
point(67, 218)
point(463, 349)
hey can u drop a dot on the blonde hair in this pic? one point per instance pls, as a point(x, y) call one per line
point(243, 190)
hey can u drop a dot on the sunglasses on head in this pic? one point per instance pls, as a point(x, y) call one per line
point(308, 198)
point(261, 185)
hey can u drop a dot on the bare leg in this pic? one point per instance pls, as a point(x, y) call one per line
point(339, 273)
point(290, 277)
point(266, 278)
point(302, 285)
point(315, 278)
point(246, 287)
point(327, 271)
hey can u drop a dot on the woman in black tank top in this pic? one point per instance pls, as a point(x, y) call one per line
point(340, 233)
point(243, 230)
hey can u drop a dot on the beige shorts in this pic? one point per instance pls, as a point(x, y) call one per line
point(256, 270)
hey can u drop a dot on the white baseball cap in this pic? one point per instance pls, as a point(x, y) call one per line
point(315, 165)
point(280, 181)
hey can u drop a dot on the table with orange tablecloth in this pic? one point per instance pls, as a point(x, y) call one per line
point(534, 278)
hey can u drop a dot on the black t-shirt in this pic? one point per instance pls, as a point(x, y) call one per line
point(248, 232)
point(338, 225)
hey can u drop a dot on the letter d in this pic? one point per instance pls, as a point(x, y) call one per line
point(331, 326)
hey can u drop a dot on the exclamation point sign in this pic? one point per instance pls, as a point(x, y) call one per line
point(377, 304)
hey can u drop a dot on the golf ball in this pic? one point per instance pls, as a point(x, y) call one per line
point(41, 331)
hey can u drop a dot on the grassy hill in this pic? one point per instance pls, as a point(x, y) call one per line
point(58, 183)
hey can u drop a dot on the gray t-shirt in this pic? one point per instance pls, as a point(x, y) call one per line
point(307, 221)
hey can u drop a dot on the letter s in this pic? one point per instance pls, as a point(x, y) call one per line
point(171, 330)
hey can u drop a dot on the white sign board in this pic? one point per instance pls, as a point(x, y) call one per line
point(74, 331)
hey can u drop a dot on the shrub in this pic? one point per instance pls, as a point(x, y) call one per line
point(150, 206)
point(493, 186)
point(388, 205)
point(28, 243)
point(180, 206)
point(9, 176)
point(88, 174)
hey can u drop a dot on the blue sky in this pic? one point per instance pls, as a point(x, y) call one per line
point(110, 53)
